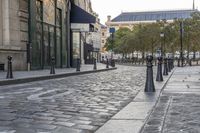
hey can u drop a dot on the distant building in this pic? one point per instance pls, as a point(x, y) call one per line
point(85, 32)
point(129, 19)
point(104, 36)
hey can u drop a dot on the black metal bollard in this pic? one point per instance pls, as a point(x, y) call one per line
point(95, 64)
point(190, 62)
point(78, 65)
point(159, 70)
point(113, 63)
point(9, 72)
point(107, 63)
point(165, 72)
point(149, 86)
point(178, 62)
point(169, 64)
point(52, 71)
point(172, 63)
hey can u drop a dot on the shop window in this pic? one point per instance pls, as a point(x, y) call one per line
point(48, 34)
point(58, 37)
point(76, 45)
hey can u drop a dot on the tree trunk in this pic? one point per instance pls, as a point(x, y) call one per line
point(188, 51)
point(143, 57)
point(194, 55)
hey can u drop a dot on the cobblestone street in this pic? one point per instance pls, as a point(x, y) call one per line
point(79, 104)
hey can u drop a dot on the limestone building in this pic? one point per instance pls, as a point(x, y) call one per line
point(104, 36)
point(33, 31)
point(86, 34)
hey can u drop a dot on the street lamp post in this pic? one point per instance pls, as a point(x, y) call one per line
point(162, 35)
point(112, 32)
point(181, 41)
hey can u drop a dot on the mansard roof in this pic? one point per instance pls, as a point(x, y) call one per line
point(153, 15)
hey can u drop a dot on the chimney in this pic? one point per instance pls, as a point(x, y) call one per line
point(108, 18)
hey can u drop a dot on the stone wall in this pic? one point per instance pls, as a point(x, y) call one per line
point(0, 22)
point(14, 32)
point(84, 4)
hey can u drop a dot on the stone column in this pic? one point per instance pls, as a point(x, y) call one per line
point(6, 21)
point(82, 49)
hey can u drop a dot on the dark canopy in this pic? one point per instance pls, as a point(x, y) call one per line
point(78, 15)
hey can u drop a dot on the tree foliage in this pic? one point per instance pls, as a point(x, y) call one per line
point(146, 37)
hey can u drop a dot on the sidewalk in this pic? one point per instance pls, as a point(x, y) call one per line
point(29, 76)
point(178, 109)
point(132, 118)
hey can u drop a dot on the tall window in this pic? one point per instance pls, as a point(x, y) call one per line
point(37, 47)
point(48, 33)
point(76, 45)
point(58, 37)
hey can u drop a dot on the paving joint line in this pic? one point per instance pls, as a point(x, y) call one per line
point(165, 116)
point(148, 117)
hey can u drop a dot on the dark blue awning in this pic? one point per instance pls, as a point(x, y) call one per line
point(78, 15)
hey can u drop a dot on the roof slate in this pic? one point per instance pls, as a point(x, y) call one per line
point(154, 15)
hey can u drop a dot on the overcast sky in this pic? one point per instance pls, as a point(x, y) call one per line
point(115, 7)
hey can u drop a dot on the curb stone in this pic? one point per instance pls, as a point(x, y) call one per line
point(47, 77)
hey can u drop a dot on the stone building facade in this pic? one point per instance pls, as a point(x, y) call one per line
point(33, 31)
point(104, 37)
point(14, 32)
point(87, 35)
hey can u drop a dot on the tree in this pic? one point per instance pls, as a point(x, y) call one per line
point(146, 37)
point(114, 42)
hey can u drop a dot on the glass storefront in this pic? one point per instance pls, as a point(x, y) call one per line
point(76, 45)
point(75, 48)
point(48, 37)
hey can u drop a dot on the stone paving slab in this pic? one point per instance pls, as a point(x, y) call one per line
point(147, 97)
point(135, 111)
point(114, 126)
